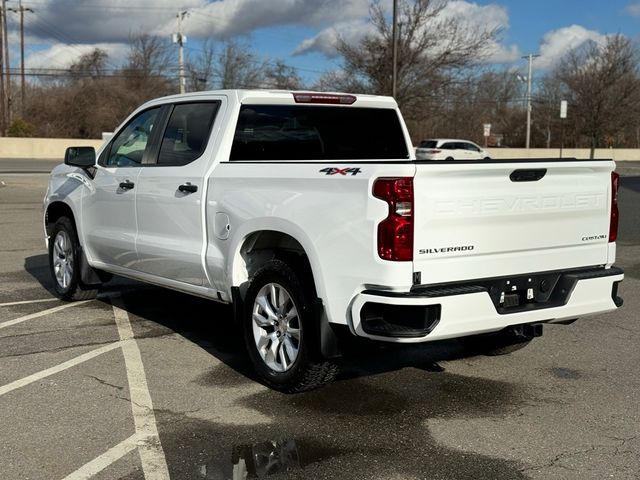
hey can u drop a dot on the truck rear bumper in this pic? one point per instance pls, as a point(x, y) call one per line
point(437, 314)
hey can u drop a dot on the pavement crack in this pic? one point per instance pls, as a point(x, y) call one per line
point(623, 441)
point(558, 458)
point(104, 382)
point(56, 350)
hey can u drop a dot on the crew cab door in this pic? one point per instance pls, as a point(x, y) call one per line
point(109, 207)
point(170, 193)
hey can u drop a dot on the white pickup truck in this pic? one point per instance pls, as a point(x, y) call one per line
point(309, 212)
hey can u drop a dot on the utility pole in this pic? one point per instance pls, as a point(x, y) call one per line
point(3, 99)
point(530, 57)
point(394, 60)
point(181, 40)
point(21, 11)
point(7, 64)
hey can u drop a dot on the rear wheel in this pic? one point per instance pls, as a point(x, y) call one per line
point(449, 159)
point(64, 263)
point(279, 331)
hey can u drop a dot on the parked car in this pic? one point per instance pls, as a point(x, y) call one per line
point(450, 149)
point(308, 213)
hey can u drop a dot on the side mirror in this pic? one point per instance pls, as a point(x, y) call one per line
point(83, 157)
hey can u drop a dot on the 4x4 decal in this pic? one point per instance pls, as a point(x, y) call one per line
point(340, 171)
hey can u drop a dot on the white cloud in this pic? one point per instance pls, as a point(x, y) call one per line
point(491, 16)
point(118, 20)
point(60, 55)
point(237, 17)
point(113, 22)
point(502, 54)
point(633, 9)
point(469, 15)
point(325, 42)
point(557, 43)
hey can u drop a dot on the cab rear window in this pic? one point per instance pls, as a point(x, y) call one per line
point(298, 132)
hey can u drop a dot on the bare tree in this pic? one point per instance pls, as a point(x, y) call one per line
point(200, 68)
point(467, 103)
point(150, 65)
point(92, 64)
point(239, 67)
point(602, 86)
point(280, 75)
point(432, 48)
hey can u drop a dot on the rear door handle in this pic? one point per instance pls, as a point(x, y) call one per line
point(188, 188)
point(127, 185)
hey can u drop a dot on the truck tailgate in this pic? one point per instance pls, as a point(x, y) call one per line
point(491, 219)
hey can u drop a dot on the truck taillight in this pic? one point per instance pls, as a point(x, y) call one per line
point(395, 233)
point(613, 224)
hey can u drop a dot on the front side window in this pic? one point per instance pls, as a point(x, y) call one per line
point(300, 132)
point(471, 147)
point(187, 133)
point(129, 145)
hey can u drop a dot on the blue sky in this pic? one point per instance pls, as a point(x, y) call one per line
point(303, 32)
point(530, 20)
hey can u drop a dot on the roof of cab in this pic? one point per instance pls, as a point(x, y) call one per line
point(274, 97)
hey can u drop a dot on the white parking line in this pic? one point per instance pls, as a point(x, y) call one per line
point(58, 368)
point(26, 302)
point(98, 464)
point(9, 323)
point(154, 463)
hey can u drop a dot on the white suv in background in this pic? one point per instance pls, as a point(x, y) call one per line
point(450, 149)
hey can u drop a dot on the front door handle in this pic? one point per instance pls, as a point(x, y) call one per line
point(188, 188)
point(127, 185)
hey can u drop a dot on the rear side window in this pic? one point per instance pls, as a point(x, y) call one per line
point(296, 132)
point(187, 133)
point(428, 144)
point(449, 146)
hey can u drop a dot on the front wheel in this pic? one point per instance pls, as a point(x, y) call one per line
point(64, 263)
point(279, 331)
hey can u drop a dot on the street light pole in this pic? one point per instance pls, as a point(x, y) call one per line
point(530, 57)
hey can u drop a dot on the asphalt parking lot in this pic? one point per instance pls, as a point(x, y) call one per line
point(145, 383)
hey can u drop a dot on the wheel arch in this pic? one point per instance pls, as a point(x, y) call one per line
point(56, 210)
point(255, 247)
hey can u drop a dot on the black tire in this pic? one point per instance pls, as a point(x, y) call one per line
point(448, 159)
point(487, 158)
point(71, 287)
point(308, 370)
point(494, 344)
